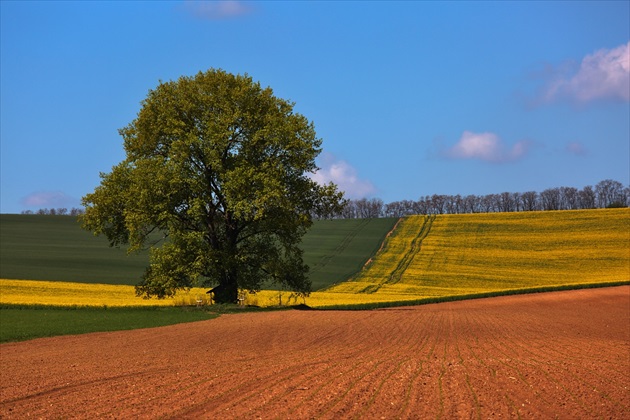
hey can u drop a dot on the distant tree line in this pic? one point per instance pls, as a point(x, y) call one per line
point(606, 194)
point(62, 211)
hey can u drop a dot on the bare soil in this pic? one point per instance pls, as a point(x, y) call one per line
point(560, 354)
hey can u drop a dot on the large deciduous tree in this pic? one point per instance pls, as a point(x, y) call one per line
point(219, 167)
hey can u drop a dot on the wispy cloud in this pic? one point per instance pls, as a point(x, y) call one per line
point(46, 199)
point(576, 148)
point(344, 176)
point(217, 10)
point(486, 147)
point(603, 75)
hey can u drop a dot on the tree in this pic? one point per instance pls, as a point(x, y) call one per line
point(219, 167)
point(76, 211)
point(609, 191)
point(587, 197)
point(550, 199)
point(506, 202)
point(529, 200)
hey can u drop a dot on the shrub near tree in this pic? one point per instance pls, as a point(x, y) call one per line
point(220, 167)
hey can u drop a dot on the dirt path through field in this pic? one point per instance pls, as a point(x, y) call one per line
point(564, 354)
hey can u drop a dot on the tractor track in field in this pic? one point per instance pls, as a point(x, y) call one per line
point(414, 249)
point(343, 244)
point(558, 354)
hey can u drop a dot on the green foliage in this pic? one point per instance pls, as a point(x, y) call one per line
point(220, 167)
point(25, 323)
point(616, 205)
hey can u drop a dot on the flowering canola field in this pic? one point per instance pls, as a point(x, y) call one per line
point(425, 257)
point(55, 293)
point(449, 255)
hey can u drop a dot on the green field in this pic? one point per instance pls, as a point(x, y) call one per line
point(336, 249)
point(25, 323)
point(56, 248)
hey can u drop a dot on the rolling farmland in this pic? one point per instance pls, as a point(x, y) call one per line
point(56, 248)
point(550, 355)
point(426, 258)
point(336, 249)
point(560, 354)
point(448, 255)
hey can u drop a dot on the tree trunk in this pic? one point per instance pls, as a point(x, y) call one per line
point(228, 283)
point(227, 290)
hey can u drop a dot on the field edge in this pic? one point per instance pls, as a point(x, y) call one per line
point(452, 298)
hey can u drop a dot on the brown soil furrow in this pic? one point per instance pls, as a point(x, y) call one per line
point(561, 354)
point(515, 375)
point(284, 385)
point(386, 357)
point(496, 383)
point(587, 366)
point(542, 360)
point(261, 392)
point(354, 397)
point(463, 358)
point(425, 398)
point(556, 366)
point(419, 340)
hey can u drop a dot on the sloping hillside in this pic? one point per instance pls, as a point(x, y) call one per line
point(476, 253)
point(56, 248)
point(337, 249)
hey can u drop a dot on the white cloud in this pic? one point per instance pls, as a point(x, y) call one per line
point(486, 147)
point(344, 176)
point(48, 199)
point(576, 148)
point(604, 74)
point(217, 10)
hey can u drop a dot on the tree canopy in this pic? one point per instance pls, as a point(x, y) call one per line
point(216, 182)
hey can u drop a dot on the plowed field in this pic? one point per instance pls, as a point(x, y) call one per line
point(561, 354)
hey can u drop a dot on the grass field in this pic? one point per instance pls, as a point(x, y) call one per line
point(24, 323)
point(480, 253)
point(336, 249)
point(56, 248)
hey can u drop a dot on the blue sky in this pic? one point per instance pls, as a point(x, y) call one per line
point(410, 98)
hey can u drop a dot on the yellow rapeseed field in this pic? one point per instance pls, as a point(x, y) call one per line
point(54, 293)
point(35, 292)
point(425, 257)
point(267, 298)
point(479, 253)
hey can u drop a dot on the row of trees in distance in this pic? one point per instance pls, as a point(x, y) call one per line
point(607, 193)
point(61, 211)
